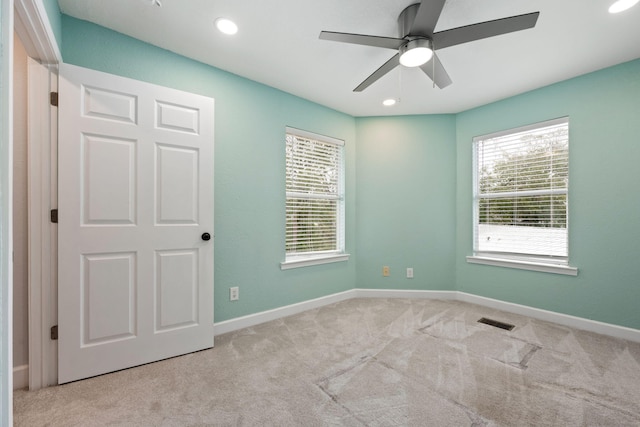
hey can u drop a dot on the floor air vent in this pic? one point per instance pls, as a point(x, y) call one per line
point(496, 323)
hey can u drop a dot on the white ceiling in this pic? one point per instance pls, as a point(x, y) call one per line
point(278, 45)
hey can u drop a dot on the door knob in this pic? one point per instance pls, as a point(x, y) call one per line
point(206, 236)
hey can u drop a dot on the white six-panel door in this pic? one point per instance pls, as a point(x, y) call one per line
point(135, 197)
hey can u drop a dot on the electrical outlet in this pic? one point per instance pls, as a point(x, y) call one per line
point(385, 271)
point(410, 273)
point(234, 293)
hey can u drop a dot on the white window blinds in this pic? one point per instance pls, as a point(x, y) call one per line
point(314, 190)
point(521, 187)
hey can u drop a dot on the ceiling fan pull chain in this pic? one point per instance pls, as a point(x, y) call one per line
point(399, 83)
point(433, 64)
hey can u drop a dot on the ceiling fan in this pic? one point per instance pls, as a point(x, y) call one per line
point(418, 41)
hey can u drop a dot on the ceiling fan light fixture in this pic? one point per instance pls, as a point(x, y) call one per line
point(416, 52)
point(622, 5)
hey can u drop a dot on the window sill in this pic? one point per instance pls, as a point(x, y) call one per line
point(524, 265)
point(312, 260)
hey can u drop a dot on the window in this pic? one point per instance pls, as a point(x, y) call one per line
point(520, 197)
point(315, 199)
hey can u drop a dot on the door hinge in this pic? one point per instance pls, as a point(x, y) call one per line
point(54, 216)
point(54, 332)
point(53, 98)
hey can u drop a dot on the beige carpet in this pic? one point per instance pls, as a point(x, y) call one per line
point(368, 362)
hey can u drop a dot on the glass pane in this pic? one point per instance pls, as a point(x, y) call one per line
point(312, 166)
point(531, 211)
point(521, 194)
point(529, 162)
point(311, 225)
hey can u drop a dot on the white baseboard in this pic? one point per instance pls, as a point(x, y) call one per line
point(401, 293)
point(20, 377)
point(280, 312)
point(536, 313)
point(552, 316)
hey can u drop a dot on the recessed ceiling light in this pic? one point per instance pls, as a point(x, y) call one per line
point(389, 102)
point(226, 26)
point(622, 5)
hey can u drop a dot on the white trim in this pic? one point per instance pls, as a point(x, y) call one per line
point(536, 313)
point(34, 29)
point(552, 316)
point(20, 377)
point(42, 234)
point(524, 265)
point(6, 209)
point(312, 196)
point(315, 136)
point(524, 193)
point(525, 128)
point(402, 293)
point(280, 312)
point(312, 260)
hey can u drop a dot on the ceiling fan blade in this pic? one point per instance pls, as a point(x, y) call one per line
point(427, 16)
point(361, 39)
point(441, 78)
point(483, 30)
point(386, 67)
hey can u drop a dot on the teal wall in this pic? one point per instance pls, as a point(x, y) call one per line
point(406, 201)
point(604, 197)
point(55, 18)
point(250, 121)
point(413, 203)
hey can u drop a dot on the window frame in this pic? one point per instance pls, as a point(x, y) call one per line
point(305, 259)
point(545, 263)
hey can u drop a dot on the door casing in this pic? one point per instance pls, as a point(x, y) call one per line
point(34, 30)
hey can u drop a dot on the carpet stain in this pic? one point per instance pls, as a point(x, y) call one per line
point(529, 355)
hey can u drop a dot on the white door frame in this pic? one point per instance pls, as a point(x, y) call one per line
point(33, 27)
point(6, 209)
point(42, 195)
point(35, 32)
